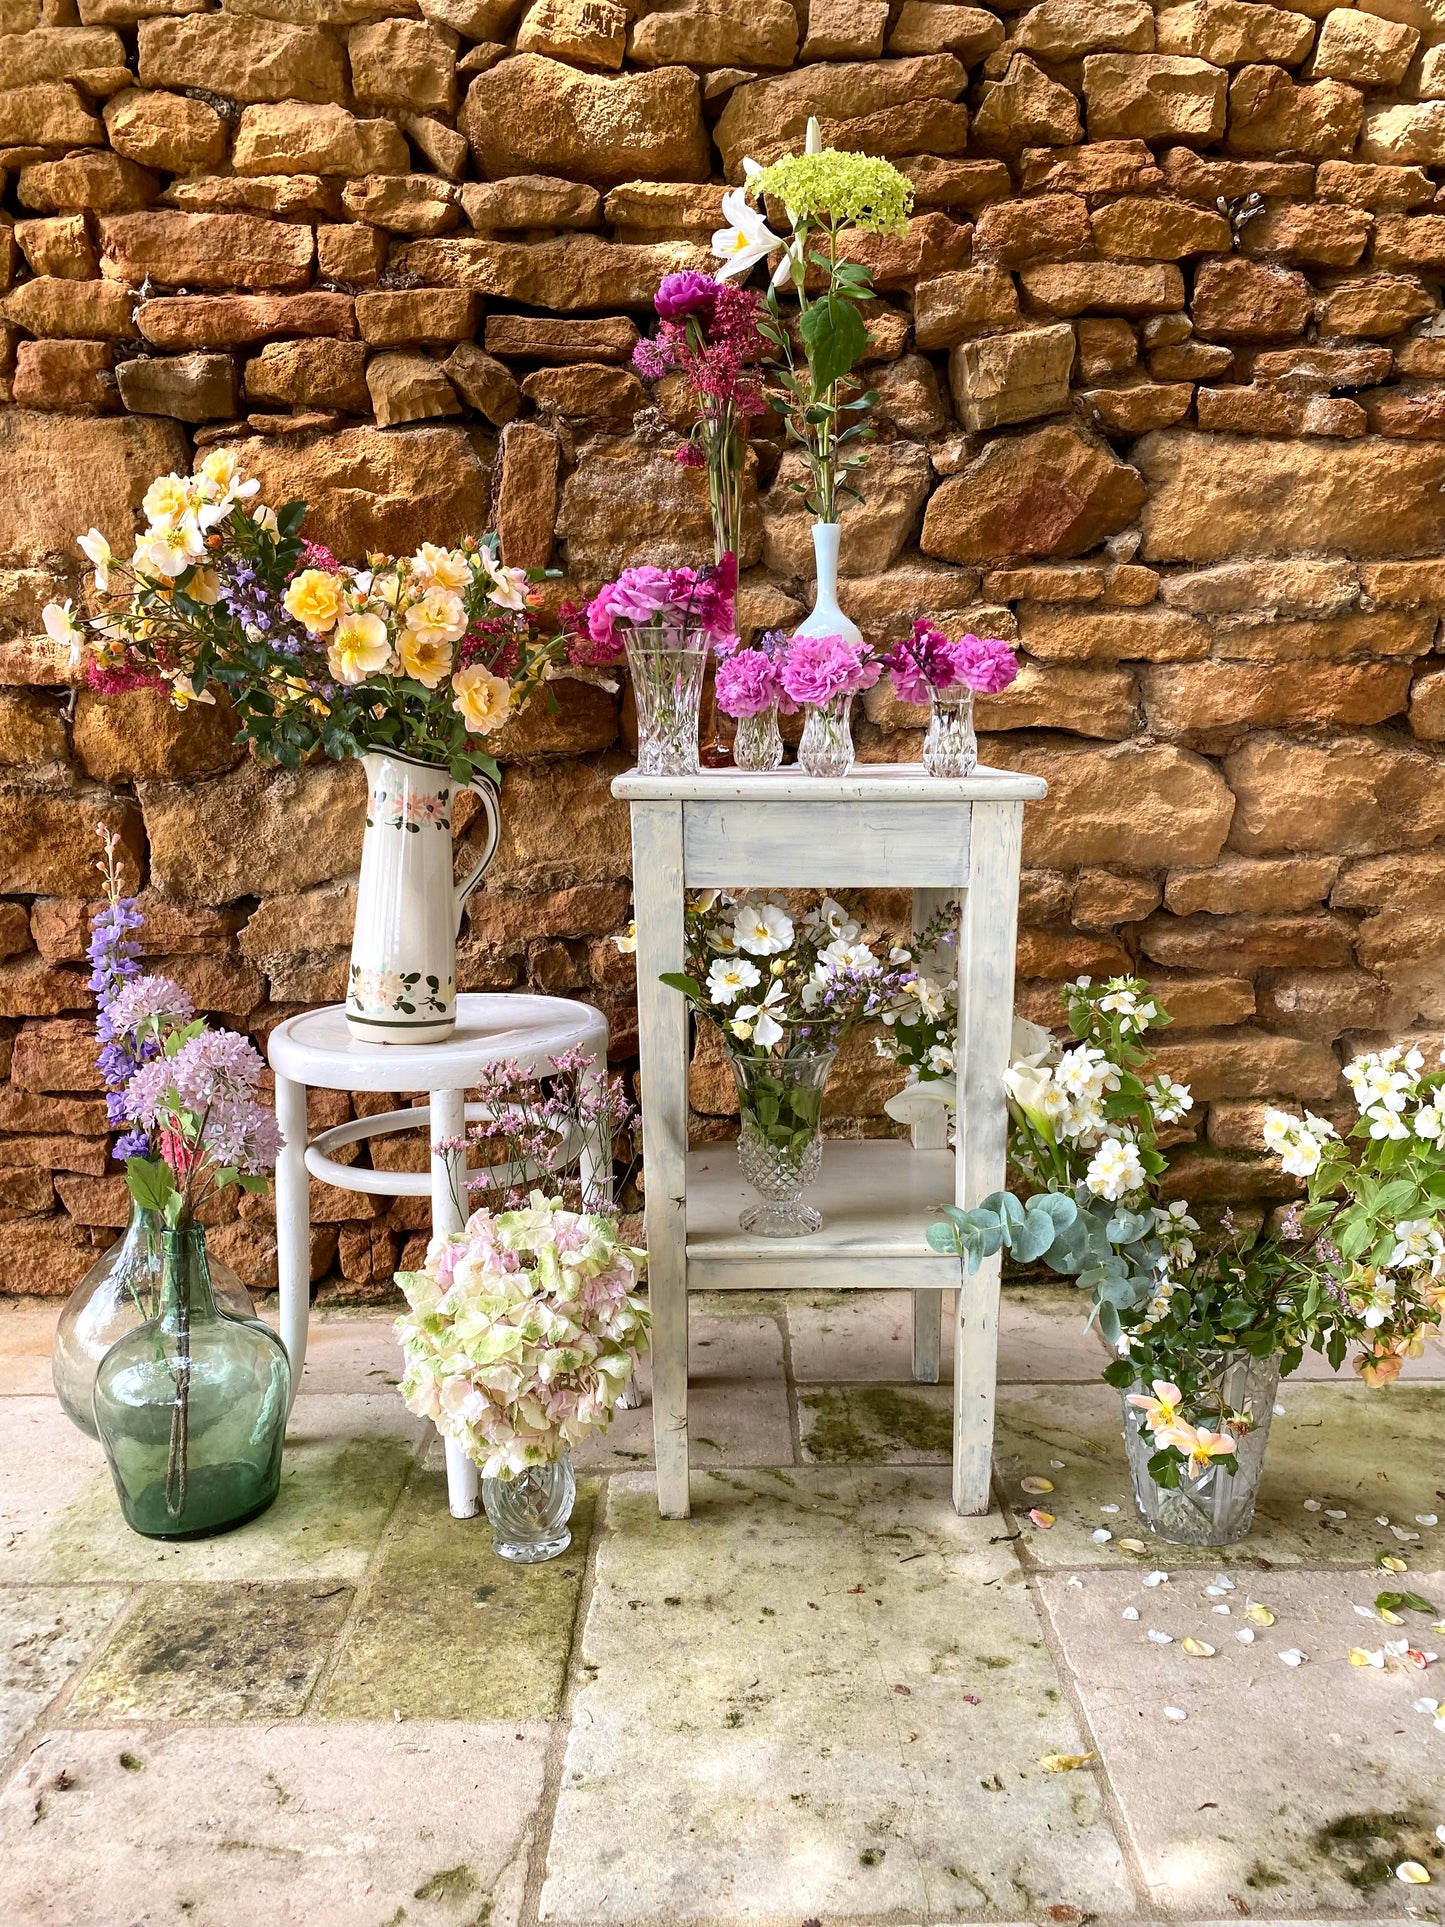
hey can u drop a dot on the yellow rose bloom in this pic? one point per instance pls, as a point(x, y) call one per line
point(482, 700)
point(440, 616)
point(205, 586)
point(220, 467)
point(438, 568)
point(167, 498)
point(314, 598)
point(425, 656)
point(359, 648)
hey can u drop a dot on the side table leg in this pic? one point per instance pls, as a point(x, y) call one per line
point(930, 1134)
point(448, 1213)
point(293, 1226)
point(985, 1020)
point(662, 1022)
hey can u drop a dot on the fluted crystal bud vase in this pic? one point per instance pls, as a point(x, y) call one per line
point(758, 745)
point(780, 1138)
point(667, 678)
point(827, 745)
point(951, 748)
point(529, 1514)
point(121, 1290)
point(191, 1407)
point(1217, 1508)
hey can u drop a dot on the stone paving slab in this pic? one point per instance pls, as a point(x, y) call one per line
point(291, 1825)
point(1370, 1454)
point(215, 1653)
point(346, 1462)
point(46, 1633)
point(737, 1394)
point(868, 1335)
point(1285, 1789)
point(876, 1424)
point(27, 1330)
point(447, 1630)
point(824, 1694)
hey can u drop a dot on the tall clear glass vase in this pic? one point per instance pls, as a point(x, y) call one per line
point(826, 748)
point(191, 1407)
point(951, 748)
point(758, 744)
point(121, 1290)
point(1217, 1508)
point(780, 1138)
point(529, 1514)
point(667, 679)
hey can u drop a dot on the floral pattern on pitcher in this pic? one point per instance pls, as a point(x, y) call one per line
point(410, 809)
point(407, 992)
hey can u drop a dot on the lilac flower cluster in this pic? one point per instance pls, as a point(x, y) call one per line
point(251, 602)
point(115, 961)
point(202, 1105)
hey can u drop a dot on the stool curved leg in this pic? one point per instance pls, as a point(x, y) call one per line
point(293, 1226)
point(448, 1213)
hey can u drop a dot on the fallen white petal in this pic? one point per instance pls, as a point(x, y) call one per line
point(1220, 1609)
point(1292, 1656)
point(1312, 1505)
point(1427, 1519)
point(1405, 1538)
point(1108, 1508)
point(1161, 1639)
point(1102, 1536)
point(1245, 1635)
point(1130, 1612)
point(1175, 1713)
point(1155, 1578)
point(1365, 1612)
point(1279, 1411)
point(1412, 1873)
point(1426, 1705)
point(1334, 1512)
point(1382, 1518)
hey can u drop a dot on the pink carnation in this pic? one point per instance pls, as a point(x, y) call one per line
point(818, 668)
point(986, 663)
point(747, 683)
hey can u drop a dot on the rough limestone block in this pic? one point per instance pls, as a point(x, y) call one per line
point(1012, 378)
point(191, 388)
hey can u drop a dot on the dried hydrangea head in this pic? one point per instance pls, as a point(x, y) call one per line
point(839, 189)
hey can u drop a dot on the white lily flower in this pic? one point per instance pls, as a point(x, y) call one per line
point(746, 240)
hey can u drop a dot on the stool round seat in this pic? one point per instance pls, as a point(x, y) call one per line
point(316, 1048)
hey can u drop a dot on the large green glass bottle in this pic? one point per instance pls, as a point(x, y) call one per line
point(191, 1407)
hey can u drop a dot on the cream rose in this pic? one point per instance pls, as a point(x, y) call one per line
point(167, 499)
point(359, 648)
point(425, 656)
point(440, 616)
point(482, 700)
point(314, 598)
point(438, 568)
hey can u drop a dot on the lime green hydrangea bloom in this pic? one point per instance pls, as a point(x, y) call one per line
point(842, 189)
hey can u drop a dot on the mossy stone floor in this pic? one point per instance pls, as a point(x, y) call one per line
point(824, 1698)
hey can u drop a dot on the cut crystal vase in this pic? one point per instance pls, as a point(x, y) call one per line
point(529, 1514)
point(780, 1140)
point(951, 748)
point(826, 748)
point(667, 679)
point(758, 745)
point(1217, 1508)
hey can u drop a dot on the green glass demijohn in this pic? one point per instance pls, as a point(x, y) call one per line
point(191, 1407)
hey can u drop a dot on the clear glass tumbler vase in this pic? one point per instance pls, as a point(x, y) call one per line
point(951, 748)
point(1217, 1508)
point(827, 745)
point(758, 744)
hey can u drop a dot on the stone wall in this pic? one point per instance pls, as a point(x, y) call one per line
point(1161, 367)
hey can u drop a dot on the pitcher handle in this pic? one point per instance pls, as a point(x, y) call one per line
point(486, 789)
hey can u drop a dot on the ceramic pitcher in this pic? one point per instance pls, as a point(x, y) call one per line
point(402, 988)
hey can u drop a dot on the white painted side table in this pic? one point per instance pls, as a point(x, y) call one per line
point(882, 825)
point(316, 1049)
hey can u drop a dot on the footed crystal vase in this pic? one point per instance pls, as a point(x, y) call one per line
point(191, 1407)
point(1217, 1508)
point(951, 748)
point(529, 1513)
point(780, 1140)
point(121, 1290)
point(826, 748)
point(667, 678)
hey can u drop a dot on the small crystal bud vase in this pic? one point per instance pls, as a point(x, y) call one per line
point(529, 1513)
point(758, 744)
point(667, 678)
point(951, 748)
point(827, 745)
point(780, 1137)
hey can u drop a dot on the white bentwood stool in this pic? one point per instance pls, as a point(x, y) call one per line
point(317, 1050)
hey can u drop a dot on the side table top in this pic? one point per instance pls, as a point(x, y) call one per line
point(864, 783)
point(316, 1048)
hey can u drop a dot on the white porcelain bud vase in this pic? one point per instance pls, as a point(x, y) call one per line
point(402, 986)
point(827, 619)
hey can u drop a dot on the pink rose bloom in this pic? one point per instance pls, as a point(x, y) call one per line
point(818, 668)
point(747, 683)
point(986, 663)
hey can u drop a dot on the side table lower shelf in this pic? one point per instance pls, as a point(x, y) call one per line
point(877, 1198)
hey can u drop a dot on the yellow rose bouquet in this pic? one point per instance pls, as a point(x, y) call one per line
point(427, 654)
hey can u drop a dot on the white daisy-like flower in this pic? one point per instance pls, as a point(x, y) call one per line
point(762, 929)
point(1115, 1169)
point(729, 976)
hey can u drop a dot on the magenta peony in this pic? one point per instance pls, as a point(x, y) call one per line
point(986, 663)
point(687, 292)
point(927, 661)
point(747, 683)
